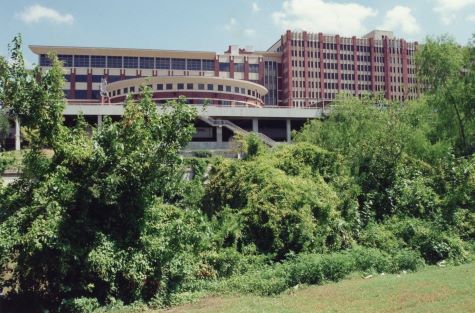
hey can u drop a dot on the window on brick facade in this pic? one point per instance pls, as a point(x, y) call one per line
point(81, 61)
point(208, 65)
point(162, 63)
point(114, 62)
point(193, 64)
point(146, 62)
point(178, 64)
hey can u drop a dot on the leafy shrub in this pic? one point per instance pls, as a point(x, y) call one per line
point(379, 236)
point(228, 262)
point(79, 305)
point(370, 259)
point(277, 213)
point(433, 243)
point(202, 154)
point(298, 158)
point(406, 260)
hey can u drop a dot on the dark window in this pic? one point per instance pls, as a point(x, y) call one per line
point(220, 88)
point(66, 59)
point(67, 78)
point(193, 65)
point(160, 87)
point(162, 63)
point(44, 60)
point(96, 94)
point(132, 89)
point(97, 78)
point(208, 65)
point(169, 86)
point(180, 86)
point(146, 63)
point(113, 78)
point(201, 86)
point(114, 62)
point(236, 89)
point(98, 61)
point(243, 91)
point(126, 90)
point(80, 94)
point(239, 67)
point(189, 86)
point(228, 88)
point(81, 61)
point(131, 62)
point(81, 78)
point(178, 64)
point(210, 87)
point(224, 67)
point(254, 68)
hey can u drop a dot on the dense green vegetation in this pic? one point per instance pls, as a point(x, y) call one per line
point(108, 220)
point(432, 290)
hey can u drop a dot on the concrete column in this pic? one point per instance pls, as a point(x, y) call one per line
point(255, 125)
point(99, 120)
point(17, 134)
point(219, 134)
point(288, 130)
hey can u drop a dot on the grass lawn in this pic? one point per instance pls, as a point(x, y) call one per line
point(450, 289)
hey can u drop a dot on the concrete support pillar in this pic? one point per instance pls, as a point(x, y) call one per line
point(255, 125)
point(219, 134)
point(99, 120)
point(288, 130)
point(17, 134)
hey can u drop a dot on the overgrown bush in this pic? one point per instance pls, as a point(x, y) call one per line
point(277, 212)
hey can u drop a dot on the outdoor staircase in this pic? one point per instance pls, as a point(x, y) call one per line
point(237, 130)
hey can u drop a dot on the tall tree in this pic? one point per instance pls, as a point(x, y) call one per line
point(101, 218)
point(446, 72)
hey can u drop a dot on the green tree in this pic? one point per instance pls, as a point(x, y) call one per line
point(374, 136)
point(104, 216)
point(446, 71)
point(4, 128)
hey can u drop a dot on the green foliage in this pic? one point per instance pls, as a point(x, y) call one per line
point(447, 73)
point(100, 218)
point(80, 305)
point(276, 212)
point(4, 127)
point(428, 239)
point(250, 145)
point(202, 154)
point(118, 220)
point(317, 269)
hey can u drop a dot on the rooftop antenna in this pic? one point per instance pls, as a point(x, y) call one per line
point(103, 91)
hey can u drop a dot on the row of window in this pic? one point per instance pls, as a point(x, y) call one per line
point(331, 46)
point(191, 86)
point(144, 63)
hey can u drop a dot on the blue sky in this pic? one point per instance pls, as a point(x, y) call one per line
point(212, 25)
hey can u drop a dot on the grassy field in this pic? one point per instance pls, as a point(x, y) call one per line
point(450, 289)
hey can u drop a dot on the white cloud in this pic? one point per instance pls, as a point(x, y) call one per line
point(324, 16)
point(447, 9)
point(37, 13)
point(400, 17)
point(233, 27)
point(255, 7)
point(250, 32)
point(231, 24)
point(471, 18)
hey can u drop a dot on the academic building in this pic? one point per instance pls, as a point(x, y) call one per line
point(300, 70)
point(269, 92)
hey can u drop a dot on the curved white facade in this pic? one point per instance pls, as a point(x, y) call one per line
point(197, 89)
